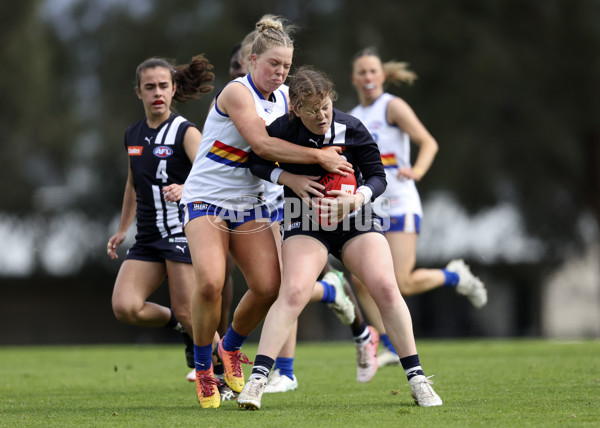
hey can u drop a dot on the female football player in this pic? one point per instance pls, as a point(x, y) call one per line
point(355, 238)
point(332, 289)
point(394, 125)
point(161, 148)
point(223, 208)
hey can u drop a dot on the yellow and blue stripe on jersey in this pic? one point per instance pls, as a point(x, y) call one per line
point(389, 160)
point(227, 155)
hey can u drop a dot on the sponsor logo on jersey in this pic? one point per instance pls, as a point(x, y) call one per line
point(199, 206)
point(162, 152)
point(295, 225)
point(178, 239)
point(135, 150)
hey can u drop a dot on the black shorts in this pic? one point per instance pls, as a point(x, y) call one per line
point(174, 248)
point(334, 240)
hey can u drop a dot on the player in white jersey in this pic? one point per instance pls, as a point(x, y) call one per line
point(223, 210)
point(273, 193)
point(401, 193)
point(235, 70)
point(161, 148)
point(394, 125)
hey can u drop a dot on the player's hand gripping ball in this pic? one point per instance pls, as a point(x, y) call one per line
point(333, 181)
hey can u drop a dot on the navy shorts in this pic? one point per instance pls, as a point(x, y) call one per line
point(334, 240)
point(174, 248)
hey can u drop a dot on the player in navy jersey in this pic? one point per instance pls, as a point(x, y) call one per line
point(356, 237)
point(394, 126)
point(161, 148)
point(332, 289)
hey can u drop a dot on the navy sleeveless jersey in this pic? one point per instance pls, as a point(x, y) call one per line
point(346, 131)
point(157, 159)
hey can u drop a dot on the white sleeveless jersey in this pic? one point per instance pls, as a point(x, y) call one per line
point(273, 191)
point(273, 194)
point(220, 174)
point(401, 195)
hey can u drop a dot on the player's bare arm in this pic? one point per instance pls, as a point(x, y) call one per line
point(402, 115)
point(236, 101)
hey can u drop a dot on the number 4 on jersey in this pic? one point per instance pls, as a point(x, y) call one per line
point(161, 171)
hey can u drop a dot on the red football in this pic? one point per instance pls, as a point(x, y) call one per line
point(333, 181)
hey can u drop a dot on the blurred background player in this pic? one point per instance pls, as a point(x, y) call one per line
point(236, 69)
point(357, 241)
point(161, 148)
point(393, 125)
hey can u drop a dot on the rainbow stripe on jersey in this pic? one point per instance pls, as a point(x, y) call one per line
point(227, 155)
point(389, 160)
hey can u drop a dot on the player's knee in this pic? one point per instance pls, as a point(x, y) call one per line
point(386, 294)
point(208, 290)
point(124, 312)
point(293, 298)
point(269, 293)
point(183, 314)
point(266, 290)
point(295, 295)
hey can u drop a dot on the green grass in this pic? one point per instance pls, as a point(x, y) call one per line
point(501, 383)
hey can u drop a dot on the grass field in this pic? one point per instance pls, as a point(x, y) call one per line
point(503, 383)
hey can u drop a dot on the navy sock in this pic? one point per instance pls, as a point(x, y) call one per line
point(262, 366)
point(452, 278)
point(386, 342)
point(285, 366)
point(412, 366)
point(172, 323)
point(361, 334)
point(328, 292)
point(217, 364)
point(203, 357)
point(232, 340)
point(219, 370)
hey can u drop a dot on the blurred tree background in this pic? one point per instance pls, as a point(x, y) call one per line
point(509, 89)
